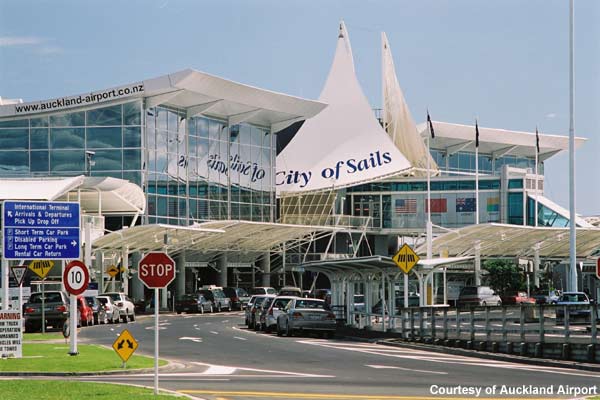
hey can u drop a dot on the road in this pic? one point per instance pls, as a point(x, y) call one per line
point(220, 359)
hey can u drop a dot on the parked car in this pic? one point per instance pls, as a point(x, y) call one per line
point(549, 297)
point(56, 310)
point(413, 301)
point(84, 312)
point(254, 307)
point(359, 303)
point(237, 296)
point(290, 291)
point(98, 310)
point(124, 304)
point(193, 303)
point(217, 296)
point(578, 306)
point(276, 307)
point(112, 311)
point(516, 297)
point(306, 315)
point(263, 290)
point(478, 296)
point(261, 314)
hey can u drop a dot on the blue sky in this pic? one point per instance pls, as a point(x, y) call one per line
point(503, 61)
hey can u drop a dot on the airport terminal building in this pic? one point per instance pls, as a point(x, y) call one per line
point(239, 183)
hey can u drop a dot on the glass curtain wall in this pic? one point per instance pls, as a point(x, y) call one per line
point(199, 169)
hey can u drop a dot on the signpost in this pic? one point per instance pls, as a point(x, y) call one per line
point(18, 272)
point(11, 336)
point(41, 269)
point(125, 345)
point(41, 230)
point(156, 270)
point(75, 279)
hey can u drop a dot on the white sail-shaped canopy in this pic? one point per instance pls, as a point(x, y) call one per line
point(398, 121)
point(344, 144)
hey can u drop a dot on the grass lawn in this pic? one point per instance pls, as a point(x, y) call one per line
point(19, 389)
point(54, 357)
point(45, 336)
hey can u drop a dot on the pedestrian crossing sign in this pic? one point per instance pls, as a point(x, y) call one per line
point(406, 258)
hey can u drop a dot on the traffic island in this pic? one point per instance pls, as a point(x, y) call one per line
point(53, 359)
point(53, 389)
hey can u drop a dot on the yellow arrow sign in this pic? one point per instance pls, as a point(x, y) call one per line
point(41, 267)
point(112, 271)
point(406, 258)
point(125, 345)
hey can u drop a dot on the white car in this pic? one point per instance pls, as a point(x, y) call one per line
point(124, 304)
point(112, 312)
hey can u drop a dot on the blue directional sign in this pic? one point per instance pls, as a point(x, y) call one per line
point(35, 230)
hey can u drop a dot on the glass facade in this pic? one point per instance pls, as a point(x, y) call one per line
point(190, 169)
point(56, 144)
point(201, 169)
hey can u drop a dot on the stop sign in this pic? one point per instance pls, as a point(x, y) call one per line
point(156, 270)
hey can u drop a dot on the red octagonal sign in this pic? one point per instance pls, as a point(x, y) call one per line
point(156, 270)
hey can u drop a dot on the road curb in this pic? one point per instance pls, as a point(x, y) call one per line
point(170, 366)
point(487, 355)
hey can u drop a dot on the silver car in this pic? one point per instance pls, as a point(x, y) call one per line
point(112, 311)
point(306, 315)
point(254, 308)
point(275, 308)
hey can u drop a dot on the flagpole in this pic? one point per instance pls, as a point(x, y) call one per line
point(429, 227)
point(537, 150)
point(476, 175)
point(572, 281)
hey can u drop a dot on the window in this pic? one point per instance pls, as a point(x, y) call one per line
point(68, 119)
point(105, 116)
point(14, 139)
point(67, 138)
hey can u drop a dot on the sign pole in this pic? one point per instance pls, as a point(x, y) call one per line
point(43, 306)
point(5, 283)
point(73, 322)
point(156, 341)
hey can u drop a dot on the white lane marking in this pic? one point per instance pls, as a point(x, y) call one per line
point(225, 321)
point(193, 339)
point(258, 333)
point(405, 369)
point(449, 359)
point(269, 371)
point(214, 333)
point(151, 328)
point(239, 338)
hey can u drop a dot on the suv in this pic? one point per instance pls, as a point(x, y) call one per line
point(217, 296)
point(238, 297)
point(478, 296)
point(56, 305)
point(124, 304)
point(290, 291)
point(263, 290)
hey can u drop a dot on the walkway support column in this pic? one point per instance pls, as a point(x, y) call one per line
point(125, 269)
point(180, 274)
point(265, 264)
point(222, 267)
point(536, 266)
point(137, 287)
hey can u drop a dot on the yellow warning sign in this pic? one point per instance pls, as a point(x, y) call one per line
point(406, 258)
point(41, 267)
point(125, 345)
point(112, 271)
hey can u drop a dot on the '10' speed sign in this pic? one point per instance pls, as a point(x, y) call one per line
point(76, 277)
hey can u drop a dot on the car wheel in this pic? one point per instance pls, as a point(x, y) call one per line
point(279, 333)
point(124, 318)
point(219, 307)
point(132, 317)
point(288, 331)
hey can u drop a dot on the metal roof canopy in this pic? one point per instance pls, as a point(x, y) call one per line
point(455, 137)
point(213, 236)
point(96, 195)
point(501, 240)
point(376, 265)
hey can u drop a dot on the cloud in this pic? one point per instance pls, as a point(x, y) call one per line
point(49, 50)
point(8, 41)
point(551, 115)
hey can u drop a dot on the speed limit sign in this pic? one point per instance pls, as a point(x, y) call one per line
point(76, 277)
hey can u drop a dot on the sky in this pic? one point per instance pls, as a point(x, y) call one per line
point(504, 62)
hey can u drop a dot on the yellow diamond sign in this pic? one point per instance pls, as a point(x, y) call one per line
point(41, 267)
point(125, 345)
point(406, 258)
point(112, 271)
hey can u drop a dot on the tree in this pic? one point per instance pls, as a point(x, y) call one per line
point(503, 276)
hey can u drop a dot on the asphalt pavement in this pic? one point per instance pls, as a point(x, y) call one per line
point(216, 357)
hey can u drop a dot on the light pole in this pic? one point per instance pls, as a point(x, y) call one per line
point(89, 162)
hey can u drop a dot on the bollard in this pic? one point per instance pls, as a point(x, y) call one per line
point(591, 353)
point(447, 343)
point(566, 351)
point(495, 347)
point(469, 345)
point(509, 347)
point(539, 350)
point(482, 346)
point(523, 349)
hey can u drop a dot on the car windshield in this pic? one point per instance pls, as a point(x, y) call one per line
point(573, 297)
point(114, 296)
point(90, 301)
point(310, 304)
point(241, 292)
point(103, 300)
point(49, 298)
point(259, 301)
point(359, 298)
point(281, 303)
